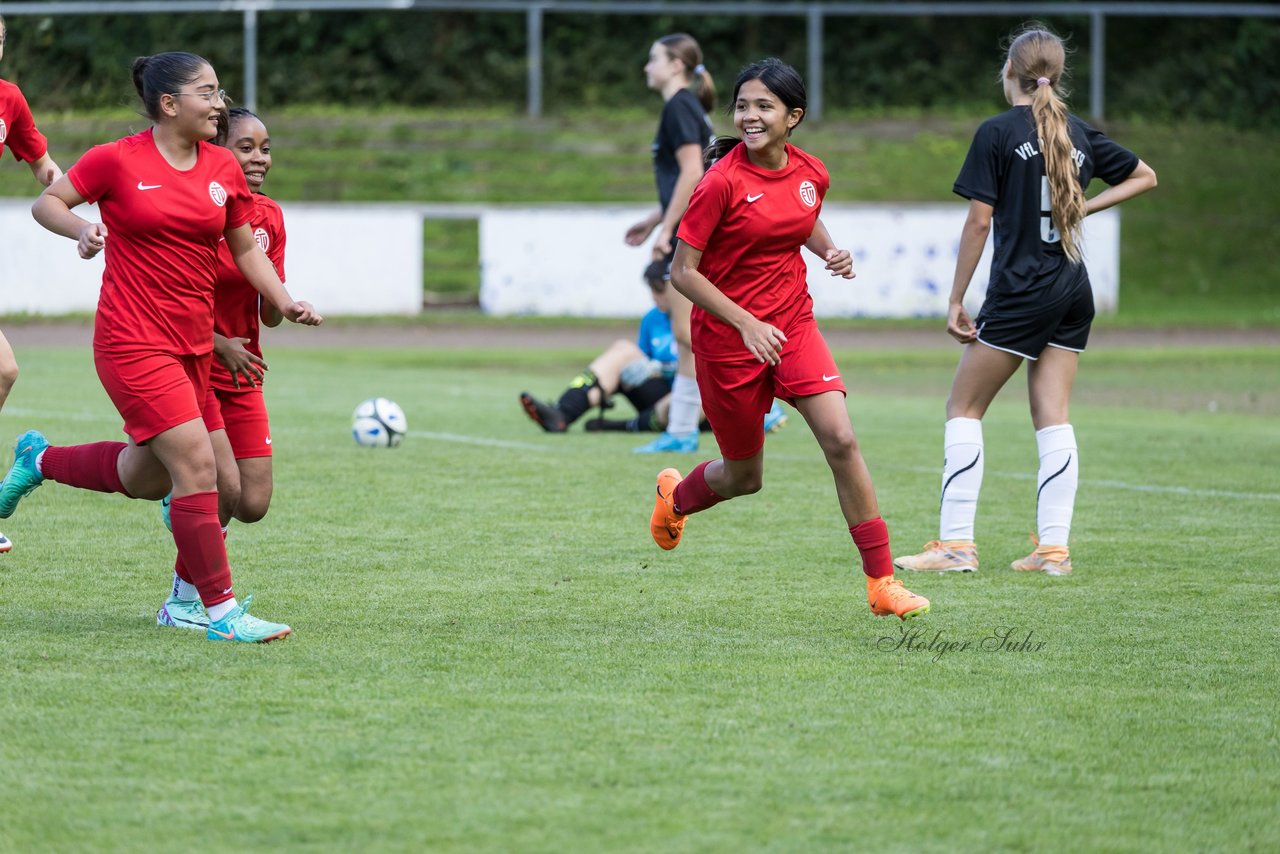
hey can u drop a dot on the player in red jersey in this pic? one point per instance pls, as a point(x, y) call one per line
point(754, 336)
point(18, 131)
point(1025, 173)
point(167, 197)
point(235, 412)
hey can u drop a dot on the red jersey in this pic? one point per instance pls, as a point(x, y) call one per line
point(235, 301)
point(17, 128)
point(163, 230)
point(750, 223)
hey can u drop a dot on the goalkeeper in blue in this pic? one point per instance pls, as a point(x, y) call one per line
point(642, 371)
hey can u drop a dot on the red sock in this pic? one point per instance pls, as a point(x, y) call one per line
point(872, 539)
point(90, 466)
point(180, 568)
point(201, 551)
point(693, 493)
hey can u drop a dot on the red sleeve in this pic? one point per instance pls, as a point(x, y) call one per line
point(240, 204)
point(23, 139)
point(276, 228)
point(94, 174)
point(706, 208)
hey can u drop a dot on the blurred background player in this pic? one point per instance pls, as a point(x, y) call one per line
point(675, 70)
point(235, 412)
point(167, 197)
point(642, 371)
point(754, 334)
point(1027, 169)
point(18, 131)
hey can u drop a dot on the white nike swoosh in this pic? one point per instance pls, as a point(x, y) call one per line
point(751, 198)
point(268, 440)
point(142, 186)
point(827, 379)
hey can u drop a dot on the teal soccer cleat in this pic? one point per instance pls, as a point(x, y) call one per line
point(24, 476)
point(164, 511)
point(240, 625)
point(671, 443)
point(183, 614)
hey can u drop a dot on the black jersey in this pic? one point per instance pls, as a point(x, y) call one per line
point(1005, 169)
point(683, 122)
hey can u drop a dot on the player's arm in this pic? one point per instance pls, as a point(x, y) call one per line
point(1140, 180)
point(839, 261)
point(254, 265)
point(45, 169)
point(689, 159)
point(53, 211)
point(639, 233)
point(763, 340)
point(973, 239)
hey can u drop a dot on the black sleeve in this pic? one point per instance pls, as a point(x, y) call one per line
point(1112, 162)
point(979, 178)
point(685, 123)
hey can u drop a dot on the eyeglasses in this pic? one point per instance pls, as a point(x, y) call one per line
point(221, 95)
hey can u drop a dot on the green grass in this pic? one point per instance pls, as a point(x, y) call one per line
point(491, 655)
point(1194, 252)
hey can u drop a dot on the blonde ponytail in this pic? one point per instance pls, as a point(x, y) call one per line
point(1037, 59)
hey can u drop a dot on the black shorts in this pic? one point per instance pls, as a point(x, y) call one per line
point(1024, 324)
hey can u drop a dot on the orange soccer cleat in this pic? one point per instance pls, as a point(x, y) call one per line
point(1051, 560)
point(666, 525)
point(942, 556)
point(887, 596)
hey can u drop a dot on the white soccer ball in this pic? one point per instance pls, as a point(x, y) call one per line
point(378, 423)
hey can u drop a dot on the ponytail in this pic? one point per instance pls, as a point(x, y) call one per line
point(1038, 62)
point(1066, 196)
point(719, 147)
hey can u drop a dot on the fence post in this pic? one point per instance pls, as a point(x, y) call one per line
point(533, 31)
point(1097, 63)
point(815, 21)
point(251, 58)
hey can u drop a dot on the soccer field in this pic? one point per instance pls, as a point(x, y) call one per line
point(490, 654)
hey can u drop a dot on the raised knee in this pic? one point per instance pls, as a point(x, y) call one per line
point(249, 512)
point(749, 484)
point(8, 374)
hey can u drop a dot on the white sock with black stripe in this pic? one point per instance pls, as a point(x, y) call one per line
point(961, 478)
point(1056, 483)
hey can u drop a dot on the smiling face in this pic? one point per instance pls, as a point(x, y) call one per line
point(252, 147)
point(194, 108)
point(762, 119)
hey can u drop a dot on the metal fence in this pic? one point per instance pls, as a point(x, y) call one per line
point(814, 13)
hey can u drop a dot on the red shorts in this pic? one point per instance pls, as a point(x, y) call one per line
point(152, 391)
point(243, 414)
point(736, 395)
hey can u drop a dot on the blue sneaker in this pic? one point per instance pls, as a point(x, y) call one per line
point(240, 625)
point(775, 419)
point(24, 476)
point(183, 614)
point(168, 499)
point(671, 443)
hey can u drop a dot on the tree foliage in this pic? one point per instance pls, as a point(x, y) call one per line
point(1222, 69)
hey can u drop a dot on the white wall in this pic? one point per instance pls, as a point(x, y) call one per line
point(345, 259)
point(573, 261)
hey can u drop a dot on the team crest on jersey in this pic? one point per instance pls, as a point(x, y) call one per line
point(808, 193)
point(264, 239)
point(218, 194)
point(4, 131)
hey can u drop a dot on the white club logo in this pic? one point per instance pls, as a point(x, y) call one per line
point(264, 242)
point(218, 194)
point(808, 194)
point(4, 131)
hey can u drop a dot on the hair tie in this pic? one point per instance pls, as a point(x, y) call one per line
point(699, 69)
point(1042, 81)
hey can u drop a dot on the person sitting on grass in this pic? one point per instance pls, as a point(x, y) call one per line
point(642, 371)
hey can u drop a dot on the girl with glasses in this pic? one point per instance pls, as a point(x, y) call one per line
point(167, 197)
